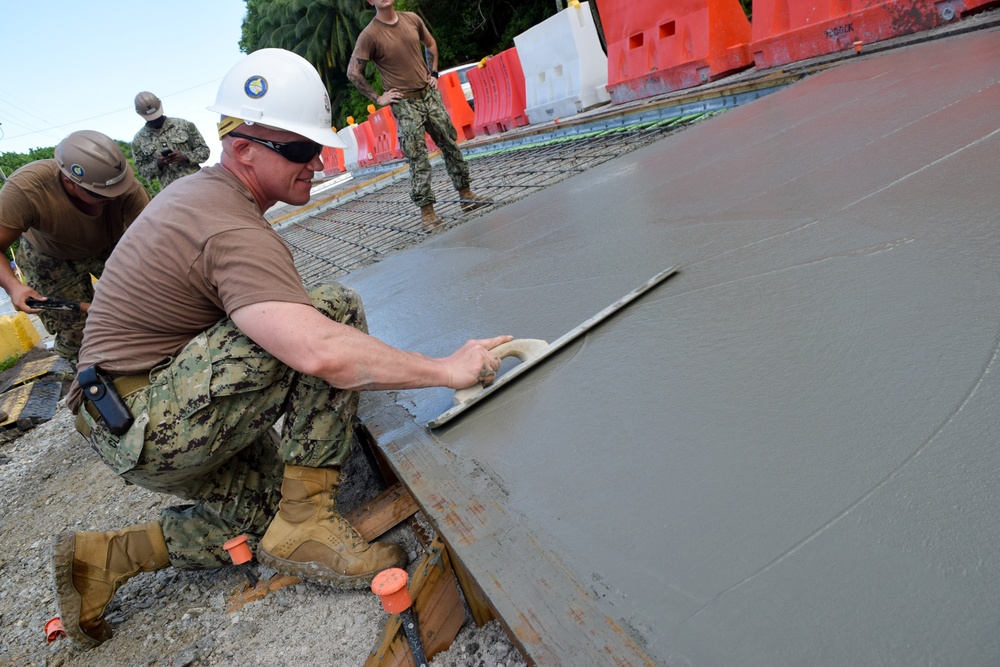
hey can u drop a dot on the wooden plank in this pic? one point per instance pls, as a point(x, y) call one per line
point(551, 616)
point(383, 513)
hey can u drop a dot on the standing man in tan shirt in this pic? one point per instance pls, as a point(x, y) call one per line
point(394, 41)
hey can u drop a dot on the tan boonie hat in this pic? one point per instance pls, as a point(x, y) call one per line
point(148, 105)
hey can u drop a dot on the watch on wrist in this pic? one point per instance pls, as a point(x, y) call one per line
point(434, 74)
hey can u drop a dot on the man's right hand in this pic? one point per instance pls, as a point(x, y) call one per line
point(474, 362)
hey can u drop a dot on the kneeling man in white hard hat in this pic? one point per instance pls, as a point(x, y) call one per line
point(179, 392)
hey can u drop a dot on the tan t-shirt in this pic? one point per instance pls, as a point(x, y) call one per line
point(199, 251)
point(34, 203)
point(397, 51)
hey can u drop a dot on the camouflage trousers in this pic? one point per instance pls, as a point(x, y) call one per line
point(204, 431)
point(66, 279)
point(427, 114)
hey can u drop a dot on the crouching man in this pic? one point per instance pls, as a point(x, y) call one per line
point(219, 341)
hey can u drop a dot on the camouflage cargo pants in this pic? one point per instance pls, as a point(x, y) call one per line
point(414, 117)
point(66, 279)
point(203, 432)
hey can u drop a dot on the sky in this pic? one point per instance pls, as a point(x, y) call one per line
point(71, 66)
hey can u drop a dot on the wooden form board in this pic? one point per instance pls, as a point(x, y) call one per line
point(549, 614)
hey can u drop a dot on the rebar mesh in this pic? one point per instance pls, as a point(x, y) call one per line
point(340, 238)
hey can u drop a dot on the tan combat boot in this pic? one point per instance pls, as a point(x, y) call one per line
point(308, 538)
point(89, 567)
point(428, 218)
point(472, 201)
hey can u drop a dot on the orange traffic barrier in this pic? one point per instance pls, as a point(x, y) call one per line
point(457, 106)
point(509, 78)
point(484, 92)
point(658, 46)
point(385, 129)
point(333, 160)
point(366, 143)
point(786, 31)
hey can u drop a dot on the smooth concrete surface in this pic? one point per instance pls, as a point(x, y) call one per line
point(788, 453)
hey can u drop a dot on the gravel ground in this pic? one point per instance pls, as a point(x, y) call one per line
point(52, 481)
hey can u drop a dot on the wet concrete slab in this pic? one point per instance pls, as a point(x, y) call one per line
point(784, 455)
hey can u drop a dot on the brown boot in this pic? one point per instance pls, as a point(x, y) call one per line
point(472, 201)
point(89, 567)
point(428, 218)
point(308, 538)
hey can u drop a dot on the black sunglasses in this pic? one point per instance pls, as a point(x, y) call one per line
point(293, 151)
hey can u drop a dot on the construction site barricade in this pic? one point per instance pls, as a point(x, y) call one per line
point(351, 152)
point(366, 143)
point(787, 31)
point(509, 79)
point(565, 69)
point(456, 105)
point(658, 46)
point(385, 129)
point(485, 94)
point(333, 160)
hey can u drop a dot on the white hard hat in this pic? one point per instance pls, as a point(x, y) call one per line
point(279, 89)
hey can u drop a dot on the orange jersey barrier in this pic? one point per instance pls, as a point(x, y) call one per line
point(333, 160)
point(385, 130)
point(366, 143)
point(658, 46)
point(484, 92)
point(786, 31)
point(509, 78)
point(455, 103)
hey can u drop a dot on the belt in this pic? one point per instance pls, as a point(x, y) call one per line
point(415, 94)
point(124, 385)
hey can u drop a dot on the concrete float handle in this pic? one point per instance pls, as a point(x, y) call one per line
point(524, 349)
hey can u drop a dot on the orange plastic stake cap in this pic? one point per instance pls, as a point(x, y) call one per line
point(390, 586)
point(350, 120)
point(54, 629)
point(371, 108)
point(238, 549)
point(857, 45)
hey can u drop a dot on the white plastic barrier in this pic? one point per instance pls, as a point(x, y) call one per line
point(565, 69)
point(351, 152)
